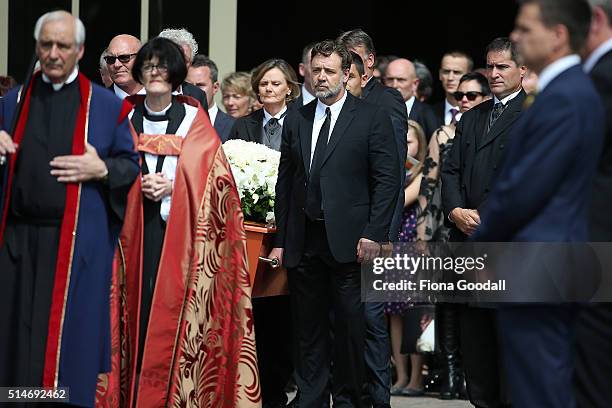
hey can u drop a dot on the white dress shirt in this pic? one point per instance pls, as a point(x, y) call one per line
point(212, 113)
point(410, 104)
point(121, 94)
point(506, 99)
point(71, 78)
point(279, 116)
point(169, 167)
point(555, 69)
point(319, 118)
point(448, 116)
point(307, 96)
point(596, 55)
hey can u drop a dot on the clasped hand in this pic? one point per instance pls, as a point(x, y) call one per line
point(79, 168)
point(155, 186)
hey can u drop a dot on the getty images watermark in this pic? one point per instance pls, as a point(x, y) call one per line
point(515, 272)
point(410, 265)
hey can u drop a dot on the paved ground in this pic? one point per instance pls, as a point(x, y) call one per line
point(427, 402)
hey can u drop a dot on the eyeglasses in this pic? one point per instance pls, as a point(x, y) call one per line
point(471, 95)
point(161, 68)
point(123, 58)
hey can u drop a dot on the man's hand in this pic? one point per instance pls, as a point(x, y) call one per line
point(6, 144)
point(155, 186)
point(78, 169)
point(367, 250)
point(278, 254)
point(466, 220)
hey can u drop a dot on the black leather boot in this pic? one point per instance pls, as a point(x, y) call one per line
point(452, 385)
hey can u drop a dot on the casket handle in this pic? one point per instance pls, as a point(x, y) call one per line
point(273, 262)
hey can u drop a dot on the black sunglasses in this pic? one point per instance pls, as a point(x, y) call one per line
point(124, 58)
point(471, 95)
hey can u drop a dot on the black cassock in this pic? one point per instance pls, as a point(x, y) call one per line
point(28, 257)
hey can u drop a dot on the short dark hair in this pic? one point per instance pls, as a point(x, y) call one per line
point(358, 63)
point(503, 44)
point(306, 51)
point(285, 68)
point(203, 61)
point(575, 15)
point(168, 53)
point(328, 47)
point(461, 54)
point(478, 77)
point(425, 88)
point(357, 37)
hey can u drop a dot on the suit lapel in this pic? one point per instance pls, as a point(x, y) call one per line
point(344, 119)
point(305, 133)
point(507, 118)
point(254, 126)
point(368, 88)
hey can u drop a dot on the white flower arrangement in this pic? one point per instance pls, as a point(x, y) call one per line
point(255, 169)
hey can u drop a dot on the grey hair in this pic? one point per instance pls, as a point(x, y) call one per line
point(606, 6)
point(182, 37)
point(102, 62)
point(79, 28)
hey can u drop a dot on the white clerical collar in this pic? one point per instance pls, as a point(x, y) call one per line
point(278, 116)
point(160, 113)
point(507, 99)
point(335, 108)
point(121, 94)
point(69, 80)
point(555, 69)
point(212, 112)
point(410, 104)
point(307, 97)
point(596, 55)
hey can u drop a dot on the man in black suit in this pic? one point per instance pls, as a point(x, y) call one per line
point(401, 75)
point(307, 93)
point(378, 354)
point(453, 66)
point(467, 177)
point(204, 74)
point(594, 333)
point(335, 195)
point(119, 58)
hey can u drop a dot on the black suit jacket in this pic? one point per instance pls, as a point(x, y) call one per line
point(475, 158)
point(601, 220)
point(359, 179)
point(249, 127)
point(424, 115)
point(223, 125)
point(438, 109)
point(197, 93)
point(392, 102)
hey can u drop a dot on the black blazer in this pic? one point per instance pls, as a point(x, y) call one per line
point(359, 179)
point(476, 157)
point(425, 116)
point(197, 93)
point(223, 125)
point(249, 127)
point(601, 221)
point(438, 110)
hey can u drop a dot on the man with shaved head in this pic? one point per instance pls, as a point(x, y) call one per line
point(70, 163)
point(120, 55)
point(401, 75)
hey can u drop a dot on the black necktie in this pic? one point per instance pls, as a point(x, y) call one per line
point(498, 109)
point(313, 193)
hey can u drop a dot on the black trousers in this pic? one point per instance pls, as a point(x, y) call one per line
point(27, 272)
point(482, 361)
point(275, 351)
point(318, 285)
point(593, 356)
